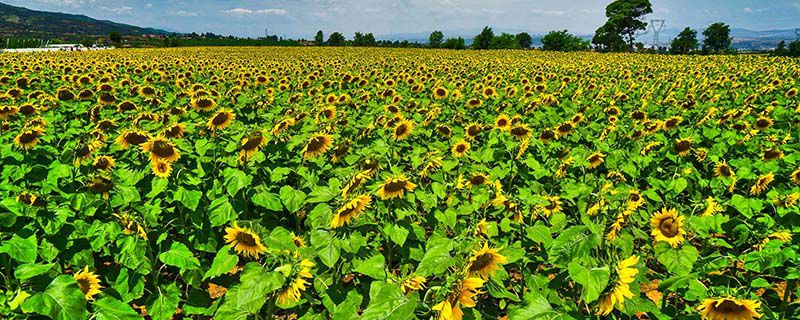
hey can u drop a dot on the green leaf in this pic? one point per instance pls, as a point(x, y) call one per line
point(292, 199)
point(537, 308)
point(574, 242)
point(189, 198)
point(374, 267)
point(327, 249)
point(21, 249)
point(179, 256)
point(235, 180)
point(396, 233)
point(12, 205)
point(221, 212)
point(677, 260)
point(223, 262)
point(592, 280)
point(249, 296)
point(268, 200)
point(157, 186)
point(437, 257)
point(30, 270)
point(165, 302)
point(112, 309)
point(390, 303)
point(680, 185)
point(61, 300)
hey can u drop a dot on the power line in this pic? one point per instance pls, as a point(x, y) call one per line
point(656, 30)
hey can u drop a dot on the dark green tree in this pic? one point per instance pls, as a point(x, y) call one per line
point(504, 41)
point(454, 43)
point(685, 42)
point(319, 38)
point(524, 40)
point(483, 39)
point(563, 41)
point(336, 39)
point(717, 37)
point(794, 49)
point(435, 39)
point(608, 39)
point(625, 18)
point(115, 38)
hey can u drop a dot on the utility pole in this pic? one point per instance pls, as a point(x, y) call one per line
point(657, 25)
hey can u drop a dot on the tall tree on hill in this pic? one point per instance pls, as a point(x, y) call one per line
point(115, 37)
point(717, 37)
point(563, 41)
point(319, 38)
point(483, 39)
point(524, 40)
point(685, 42)
point(336, 39)
point(624, 19)
point(435, 39)
point(607, 39)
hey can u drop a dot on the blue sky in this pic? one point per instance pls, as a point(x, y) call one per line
point(301, 18)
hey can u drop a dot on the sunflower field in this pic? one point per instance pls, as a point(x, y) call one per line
point(355, 183)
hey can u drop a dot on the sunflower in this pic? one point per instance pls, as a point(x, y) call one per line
point(729, 308)
point(104, 163)
point(502, 122)
point(291, 293)
point(791, 93)
point(350, 211)
point(668, 226)
point(282, 126)
point(521, 131)
point(28, 138)
point(474, 103)
point(673, 122)
point(626, 274)
point(395, 187)
point(782, 236)
point(412, 283)
point(317, 145)
point(478, 179)
point(161, 169)
point(547, 135)
point(86, 151)
point(772, 154)
point(763, 122)
point(244, 241)
point(460, 148)
point(132, 137)
point(355, 182)
point(439, 93)
point(402, 130)
point(461, 295)
point(762, 183)
point(251, 144)
point(553, 205)
point(795, 176)
point(712, 207)
point(565, 129)
point(161, 149)
point(88, 282)
point(722, 169)
point(473, 130)
point(683, 147)
point(596, 159)
point(175, 131)
point(204, 104)
point(221, 120)
point(485, 262)
point(101, 185)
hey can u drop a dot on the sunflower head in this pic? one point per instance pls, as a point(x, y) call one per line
point(460, 148)
point(729, 308)
point(88, 282)
point(667, 226)
point(244, 241)
point(395, 187)
point(317, 145)
point(402, 130)
point(350, 211)
point(161, 149)
point(683, 147)
point(221, 120)
point(485, 262)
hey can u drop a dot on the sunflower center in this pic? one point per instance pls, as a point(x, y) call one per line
point(162, 149)
point(444, 130)
point(567, 127)
point(316, 143)
point(253, 142)
point(395, 186)
point(683, 145)
point(477, 180)
point(401, 130)
point(730, 307)
point(102, 163)
point(771, 154)
point(461, 148)
point(552, 205)
point(84, 151)
point(27, 137)
point(204, 103)
point(84, 284)
point(473, 130)
point(135, 138)
point(547, 135)
point(502, 123)
point(162, 167)
point(519, 131)
point(669, 227)
point(27, 110)
point(481, 262)
point(246, 239)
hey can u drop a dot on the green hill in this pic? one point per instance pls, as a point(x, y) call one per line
point(18, 22)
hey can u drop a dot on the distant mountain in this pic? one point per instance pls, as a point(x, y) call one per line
point(22, 22)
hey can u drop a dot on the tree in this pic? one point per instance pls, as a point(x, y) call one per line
point(685, 42)
point(504, 41)
point(336, 39)
point(115, 37)
point(607, 39)
point(319, 38)
point(524, 40)
point(717, 37)
point(435, 39)
point(454, 43)
point(624, 19)
point(483, 39)
point(563, 41)
point(794, 49)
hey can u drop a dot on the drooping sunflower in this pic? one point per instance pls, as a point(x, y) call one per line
point(291, 294)
point(485, 262)
point(412, 283)
point(394, 187)
point(175, 131)
point(317, 145)
point(221, 120)
point(460, 148)
point(553, 206)
point(161, 169)
point(402, 130)
point(712, 207)
point(355, 182)
point(104, 163)
point(132, 137)
point(85, 152)
point(350, 211)
point(250, 145)
point(521, 131)
point(565, 129)
point(88, 282)
point(772, 154)
point(473, 129)
point(762, 183)
point(596, 159)
point(244, 241)
point(161, 149)
point(204, 103)
point(722, 169)
point(28, 138)
point(729, 308)
point(795, 176)
point(502, 123)
point(461, 294)
point(673, 122)
point(683, 147)
point(101, 185)
point(621, 290)
point(478, 179)
point(782, 236)
point(668, 226)
point(547, 135)
point(282, 126)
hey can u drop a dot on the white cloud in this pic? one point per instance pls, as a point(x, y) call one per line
point(663, 10)
point(118, 10)
point(242, 11)
point(548, 12)
point(748, 10)
point(184, 13)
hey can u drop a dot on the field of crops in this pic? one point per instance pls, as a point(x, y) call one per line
point(323, 183)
